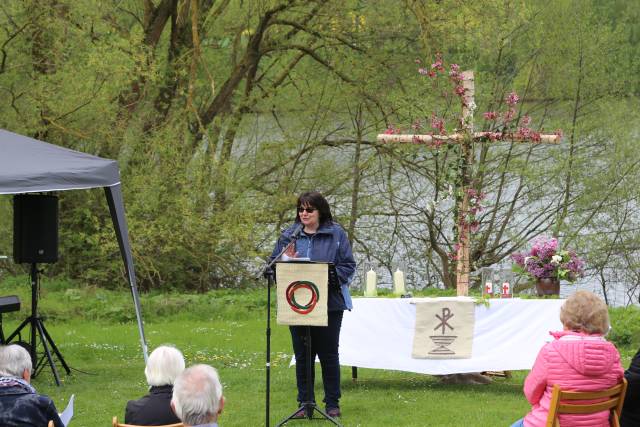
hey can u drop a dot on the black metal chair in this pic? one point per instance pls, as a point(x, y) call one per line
point(7, 304)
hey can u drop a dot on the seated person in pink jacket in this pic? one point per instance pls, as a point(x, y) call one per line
point(578, 359)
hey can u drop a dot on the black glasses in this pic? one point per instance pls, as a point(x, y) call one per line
point(308, 210)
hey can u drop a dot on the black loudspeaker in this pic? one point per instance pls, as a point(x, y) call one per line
point(35, 228)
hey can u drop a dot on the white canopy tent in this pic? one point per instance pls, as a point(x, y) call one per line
point(29, 166)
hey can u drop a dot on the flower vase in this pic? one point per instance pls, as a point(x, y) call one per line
point(548, 286)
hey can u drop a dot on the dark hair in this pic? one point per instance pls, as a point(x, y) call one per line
point(315, 200)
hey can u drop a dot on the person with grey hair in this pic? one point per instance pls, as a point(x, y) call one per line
point(20, 405)
point(579, 358)
point(197, 396)
point(163, 367)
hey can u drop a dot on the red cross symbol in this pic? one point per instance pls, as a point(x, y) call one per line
point(505, 288)
point(488, 287)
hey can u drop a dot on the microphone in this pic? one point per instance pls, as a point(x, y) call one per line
point(296, 230)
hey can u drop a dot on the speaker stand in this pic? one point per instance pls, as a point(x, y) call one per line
point(37, 327)
point(309, 406)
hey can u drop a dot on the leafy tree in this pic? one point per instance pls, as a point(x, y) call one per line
point(220, 112)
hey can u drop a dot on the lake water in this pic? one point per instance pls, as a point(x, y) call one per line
point(617, 295)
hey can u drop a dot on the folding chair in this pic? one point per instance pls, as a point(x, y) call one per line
point(564, 402)
point(117, 424)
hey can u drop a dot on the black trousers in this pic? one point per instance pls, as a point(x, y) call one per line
point(324, 344)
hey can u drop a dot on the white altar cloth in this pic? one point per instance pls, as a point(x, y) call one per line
point(378, 334)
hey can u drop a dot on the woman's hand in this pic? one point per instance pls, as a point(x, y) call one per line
point(291, 250)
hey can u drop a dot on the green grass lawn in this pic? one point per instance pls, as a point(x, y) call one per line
point(97, 336)
point(108, 370)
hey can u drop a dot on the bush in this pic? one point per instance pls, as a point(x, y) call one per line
point(64, 300)
point(625, 326)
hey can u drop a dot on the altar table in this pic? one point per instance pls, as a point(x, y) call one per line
point(378, 334)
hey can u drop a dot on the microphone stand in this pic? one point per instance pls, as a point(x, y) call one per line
point(309, 406)
point(268, 273)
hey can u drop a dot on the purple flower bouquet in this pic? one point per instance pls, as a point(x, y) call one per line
point(546, 261)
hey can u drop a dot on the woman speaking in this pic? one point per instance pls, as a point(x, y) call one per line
point(322, 240)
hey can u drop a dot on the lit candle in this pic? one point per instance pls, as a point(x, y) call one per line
point(488, 288)
point(370, 288)
point(506, 290)
point(398, 283)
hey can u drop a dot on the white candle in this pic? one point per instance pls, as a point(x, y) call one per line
point(398, 283)
point(370, 288)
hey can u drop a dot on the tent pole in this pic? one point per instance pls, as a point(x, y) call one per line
point(116, 208)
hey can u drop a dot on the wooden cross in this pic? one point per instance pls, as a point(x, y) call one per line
point(466, 137)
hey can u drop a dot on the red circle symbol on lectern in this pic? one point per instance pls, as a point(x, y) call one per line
point(291, 297)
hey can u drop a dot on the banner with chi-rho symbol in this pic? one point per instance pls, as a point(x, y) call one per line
point(444, 328)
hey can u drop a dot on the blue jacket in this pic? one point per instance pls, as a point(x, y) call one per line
point(21, 406)
point(328, 244)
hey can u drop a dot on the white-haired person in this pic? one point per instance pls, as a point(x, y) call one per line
point(20, 405)
point(197, 396)
point(163, 367)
